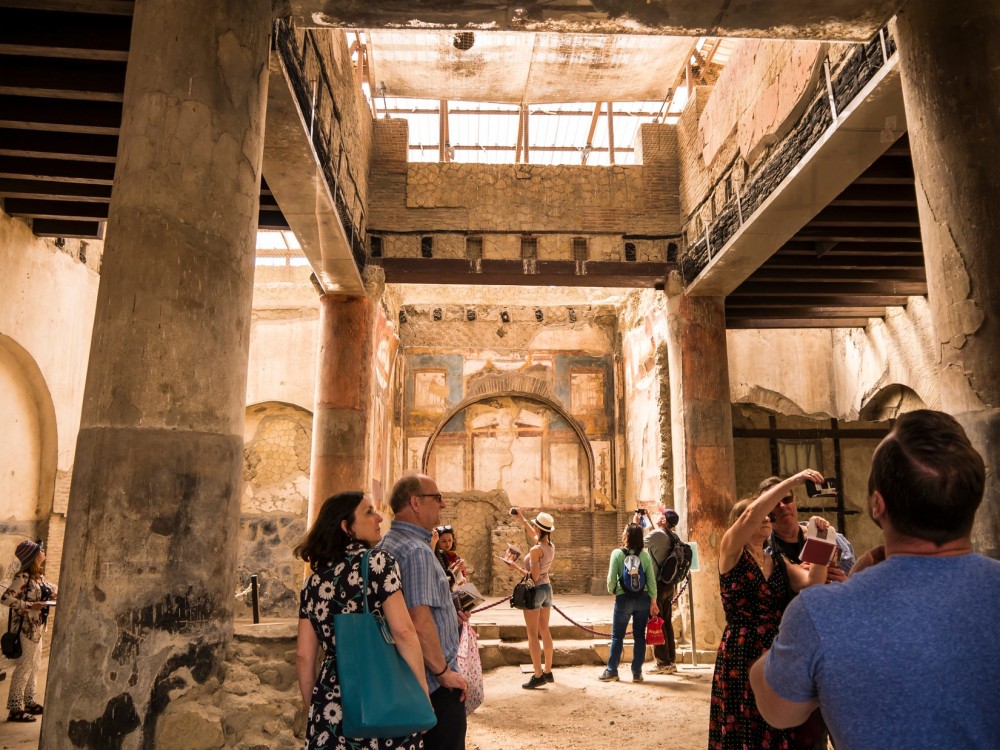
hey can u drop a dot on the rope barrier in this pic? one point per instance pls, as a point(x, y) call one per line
point(574, 622)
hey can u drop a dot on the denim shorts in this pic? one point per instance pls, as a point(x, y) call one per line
point(543, 596)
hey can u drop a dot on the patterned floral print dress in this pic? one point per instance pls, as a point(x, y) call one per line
point(335, 589)
point(753, 607)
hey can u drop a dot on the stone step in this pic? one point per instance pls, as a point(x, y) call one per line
point(495, 653)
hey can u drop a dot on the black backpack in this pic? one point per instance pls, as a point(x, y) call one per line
point(674, 568)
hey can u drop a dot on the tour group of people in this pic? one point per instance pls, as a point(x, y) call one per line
point(898, 652)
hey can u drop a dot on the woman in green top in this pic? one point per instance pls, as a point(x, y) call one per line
point(637, 606)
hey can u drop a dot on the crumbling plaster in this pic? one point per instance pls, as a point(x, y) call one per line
point(824, 373)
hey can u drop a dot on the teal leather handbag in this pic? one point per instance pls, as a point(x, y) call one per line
point(380, 695)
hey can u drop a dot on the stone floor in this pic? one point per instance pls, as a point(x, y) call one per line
point(501, 630)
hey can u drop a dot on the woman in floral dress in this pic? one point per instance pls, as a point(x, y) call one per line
point(347, 526)
point(755, 588)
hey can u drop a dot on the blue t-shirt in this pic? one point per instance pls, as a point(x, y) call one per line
point(905, 654)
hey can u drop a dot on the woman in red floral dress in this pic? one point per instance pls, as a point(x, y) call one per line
point(755, 588)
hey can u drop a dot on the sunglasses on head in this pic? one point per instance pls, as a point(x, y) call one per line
point(443, 529)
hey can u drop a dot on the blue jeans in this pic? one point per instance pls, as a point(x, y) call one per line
point(635, 608)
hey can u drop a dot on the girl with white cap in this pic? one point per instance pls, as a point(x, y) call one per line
point(537, 564)
point(29, 598)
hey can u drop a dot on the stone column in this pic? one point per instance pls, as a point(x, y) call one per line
point(148, 570)
point(951, 91)
point(343, 397)
point(702, 427)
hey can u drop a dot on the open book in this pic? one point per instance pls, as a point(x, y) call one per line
point(819, 546)
point(467, 597)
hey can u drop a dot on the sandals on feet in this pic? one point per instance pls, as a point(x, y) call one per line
point(33, 708)
point(22, 716)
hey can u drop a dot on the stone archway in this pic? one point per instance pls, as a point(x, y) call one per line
point(537, 395)
point(30, 444)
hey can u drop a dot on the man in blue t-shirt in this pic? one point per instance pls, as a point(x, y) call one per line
point(903, 654)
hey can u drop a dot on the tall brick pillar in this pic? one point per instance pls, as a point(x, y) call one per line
point(149, 559)
point(702, 426)
point(343, 397)
point(948, 55)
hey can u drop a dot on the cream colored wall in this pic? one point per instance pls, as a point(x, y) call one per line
point(826, 373)
point(20, 442)
point(284, 340)
point(48, 308)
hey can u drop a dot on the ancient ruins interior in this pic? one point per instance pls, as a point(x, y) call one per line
point(580, 256)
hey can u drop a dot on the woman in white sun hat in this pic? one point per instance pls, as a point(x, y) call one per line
point(537, 564)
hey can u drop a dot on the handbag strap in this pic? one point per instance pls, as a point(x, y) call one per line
point(364, 578)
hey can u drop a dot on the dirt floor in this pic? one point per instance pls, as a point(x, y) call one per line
point(578, 712)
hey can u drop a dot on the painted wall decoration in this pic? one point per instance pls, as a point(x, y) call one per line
point(644, 348)
point(514, 444)
point(509, 440)
point(384, 347)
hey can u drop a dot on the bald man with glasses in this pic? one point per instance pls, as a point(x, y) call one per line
point(416, 504)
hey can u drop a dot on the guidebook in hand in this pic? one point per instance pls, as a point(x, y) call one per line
point(513, 554)
point(820, 545)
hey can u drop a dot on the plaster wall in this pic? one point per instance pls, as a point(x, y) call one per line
point(648, 454)
point(284, 336)
point(48, 298)
point(837, 373)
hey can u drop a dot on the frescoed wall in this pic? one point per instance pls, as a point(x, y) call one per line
point(534, 424)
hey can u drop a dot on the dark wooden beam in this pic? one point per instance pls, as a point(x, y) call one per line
point(60, 170)
point(850, 433)
point(93, 80)
point(834, 288)
point(271, 220)
point(53, 209)
point(877, 195)
point(822, 300)
point(80, 36)
point(760, 323)
point(99, 7)
point(38, 113)
point(821, 275)
point(858, 234)
point(888, 170)
point(871, 248)
point(86, 230)
point(866, 216)
point(766, 310)
point(858, 262)
point(50, 190)
point(42, 144)
point(511, 272)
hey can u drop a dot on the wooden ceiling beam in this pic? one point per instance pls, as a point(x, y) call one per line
point(39, 76)
point(903, 196)
point(39, 113)
point(511, 272)
point(50, 190)
point(858, 262)
point(78, 36)
point(60, 170)
point(832, 289)
point(43, 144)
point(820, 300)
point(770, 323)
point(866, 216)
point(804, 311)
point(810, 233)
point(85, 230)
point(821, 275)
point(851, 249)
point(54, 209)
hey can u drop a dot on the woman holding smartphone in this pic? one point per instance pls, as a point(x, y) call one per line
point(537, 564)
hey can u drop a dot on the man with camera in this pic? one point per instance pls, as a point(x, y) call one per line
point(903, 654)
point(788, 535)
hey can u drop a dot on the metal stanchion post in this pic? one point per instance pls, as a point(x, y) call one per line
point(694, 641)
point(253, 599)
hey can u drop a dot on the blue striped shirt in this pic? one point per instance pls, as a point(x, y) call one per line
point(425, 584)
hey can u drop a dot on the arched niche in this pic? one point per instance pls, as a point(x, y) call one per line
point(30, 444)
point(889, 402)
point(521, 442)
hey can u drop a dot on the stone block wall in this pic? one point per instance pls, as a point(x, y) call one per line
point(273, 508)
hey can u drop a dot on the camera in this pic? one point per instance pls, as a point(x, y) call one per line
point(827, 488)
point(641, 511)
point(513, 511)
